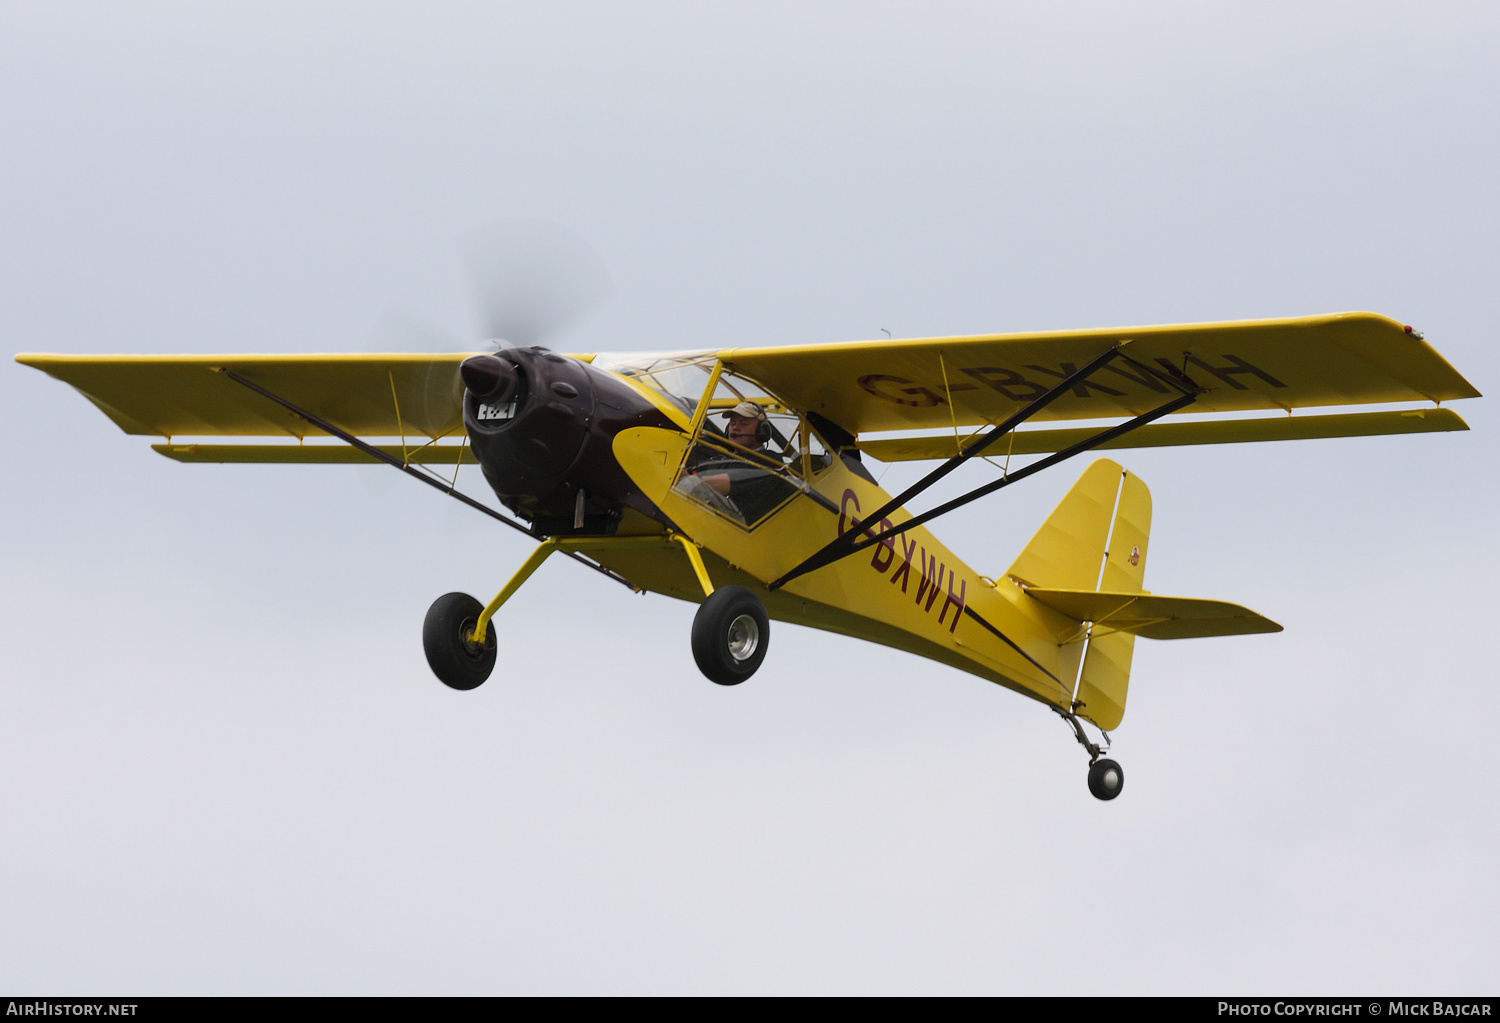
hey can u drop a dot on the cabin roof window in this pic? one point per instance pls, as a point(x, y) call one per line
point(678, 376)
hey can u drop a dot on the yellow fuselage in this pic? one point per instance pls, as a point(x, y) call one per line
point(909, 592)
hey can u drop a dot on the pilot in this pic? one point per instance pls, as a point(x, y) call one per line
point(746, 424)
point(747, 427)
point(745, 490)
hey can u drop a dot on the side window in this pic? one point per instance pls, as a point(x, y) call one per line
point(814, 455)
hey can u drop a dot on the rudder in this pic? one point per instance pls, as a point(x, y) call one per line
point(1106, 665)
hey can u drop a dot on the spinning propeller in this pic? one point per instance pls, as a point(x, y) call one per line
point(532, 280)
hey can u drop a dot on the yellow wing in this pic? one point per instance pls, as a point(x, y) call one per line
point(185, 395)
point(1337, 359)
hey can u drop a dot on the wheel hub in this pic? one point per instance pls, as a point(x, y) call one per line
point(744, 637)
point(473, 649)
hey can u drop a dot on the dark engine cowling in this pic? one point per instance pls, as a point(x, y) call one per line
point(542, 427)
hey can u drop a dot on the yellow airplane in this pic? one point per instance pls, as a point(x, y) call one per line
point(736, 478)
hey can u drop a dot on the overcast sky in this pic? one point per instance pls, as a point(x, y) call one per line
point(226, 765)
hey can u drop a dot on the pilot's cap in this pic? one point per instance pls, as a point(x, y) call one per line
point(746, 409)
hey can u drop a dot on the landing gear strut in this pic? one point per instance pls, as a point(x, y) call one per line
point(1106, 778)
point(730, 633)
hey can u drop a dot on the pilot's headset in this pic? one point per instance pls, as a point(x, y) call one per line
point(749, 409)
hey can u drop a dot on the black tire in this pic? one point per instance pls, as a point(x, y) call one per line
point(730, 635)
point(457, 662)
point(1106, 779)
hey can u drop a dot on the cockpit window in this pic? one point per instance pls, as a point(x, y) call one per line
point(678, 376)
point(751, 454)
point(742, 476)
point(733, 389)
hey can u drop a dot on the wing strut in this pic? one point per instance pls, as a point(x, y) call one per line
point(375, 452)
point(850, 543)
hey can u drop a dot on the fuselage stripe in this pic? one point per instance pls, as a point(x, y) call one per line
point(1010, 642)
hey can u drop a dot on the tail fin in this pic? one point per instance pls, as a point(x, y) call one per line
point(1076, 549)
point(1066, 551)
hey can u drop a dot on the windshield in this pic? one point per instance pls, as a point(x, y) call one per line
point(679, 376)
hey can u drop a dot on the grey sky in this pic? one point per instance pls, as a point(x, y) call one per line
point(227, 768)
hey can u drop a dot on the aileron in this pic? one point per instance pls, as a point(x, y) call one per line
point(1169, 434)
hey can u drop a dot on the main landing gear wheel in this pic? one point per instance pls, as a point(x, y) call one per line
point(1106, 779)
point(730, 635)
point(454, 657)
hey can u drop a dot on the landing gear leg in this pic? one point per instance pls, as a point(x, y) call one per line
point(731, 630)
point(1106, 778)
point(457, 638)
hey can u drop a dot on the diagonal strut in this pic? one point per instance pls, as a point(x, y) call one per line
point(375, 452)
point(850, 542)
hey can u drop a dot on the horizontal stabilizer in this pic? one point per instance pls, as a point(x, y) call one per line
point(1171, 434)
point(1153, 617)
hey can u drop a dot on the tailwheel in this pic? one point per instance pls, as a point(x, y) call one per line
point(447, 639)
point(730, 634)
point(1106, 779)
